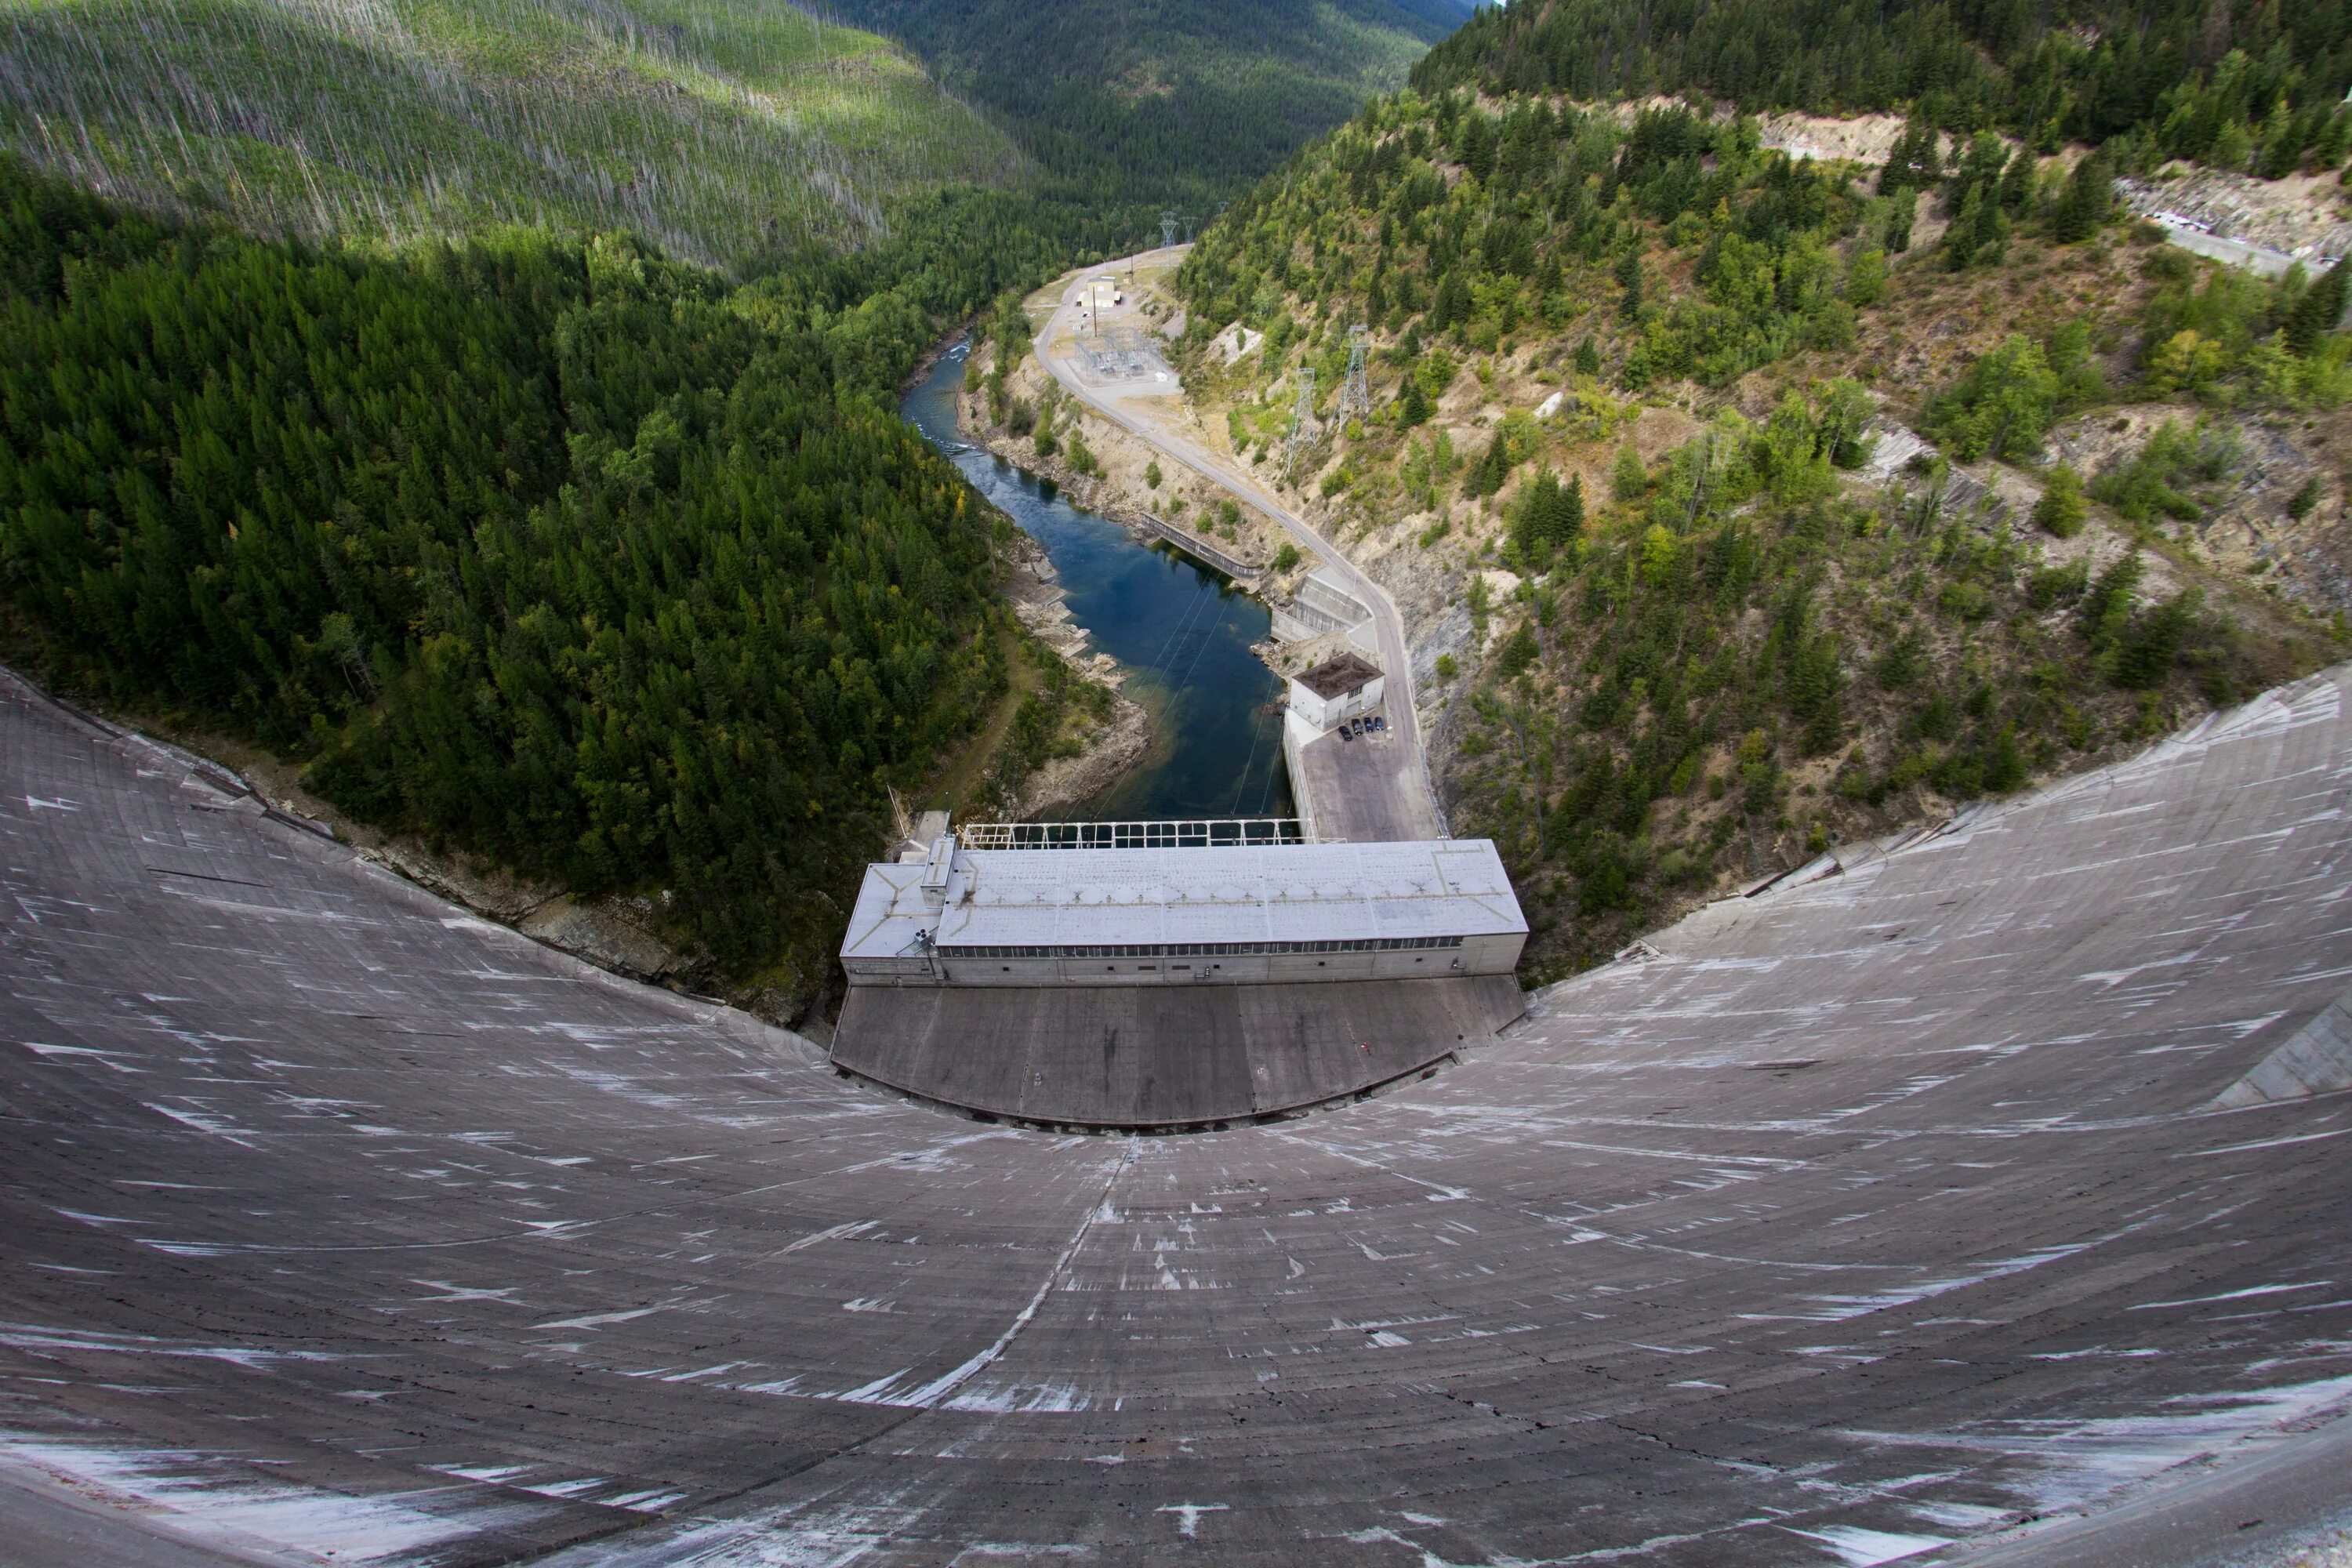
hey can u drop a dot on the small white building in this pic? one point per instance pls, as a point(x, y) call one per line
point(1335, 691)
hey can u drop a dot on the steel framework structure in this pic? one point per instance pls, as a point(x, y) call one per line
point(1207, 833)
point(1356, 396)
point(1302, 415)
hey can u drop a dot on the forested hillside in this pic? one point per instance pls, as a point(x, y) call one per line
point(487, 405)
point(1638, 461)
point(2259, 87)
point(1166, 100)
point(547, 550)
point(727, 131)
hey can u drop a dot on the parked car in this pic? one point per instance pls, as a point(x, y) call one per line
point(1343, 733)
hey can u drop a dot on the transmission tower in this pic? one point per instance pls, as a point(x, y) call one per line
point(1356, 396)
point(1167, 228)
point(1302, 414)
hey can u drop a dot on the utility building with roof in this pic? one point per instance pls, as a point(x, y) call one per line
point(1341, 687)
point(1179, 981)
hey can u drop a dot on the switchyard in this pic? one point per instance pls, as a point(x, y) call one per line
point(1980, 1201)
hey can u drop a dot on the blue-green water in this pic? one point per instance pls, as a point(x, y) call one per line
point(1182, 632)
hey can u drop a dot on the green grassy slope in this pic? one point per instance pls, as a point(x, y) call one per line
point(1175, 101)
point(721, 129)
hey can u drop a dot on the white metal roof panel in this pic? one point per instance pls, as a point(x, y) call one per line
point(1287, 892)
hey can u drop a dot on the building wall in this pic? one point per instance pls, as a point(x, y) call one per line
point(1476, 955)
point(1326, 714)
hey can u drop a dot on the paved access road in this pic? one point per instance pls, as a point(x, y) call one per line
point(1146, 410)
point(1358, 790)
point(1869, 1221)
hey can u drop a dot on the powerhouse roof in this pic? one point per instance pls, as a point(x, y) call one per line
point(1335, 676)
point(1288, 892)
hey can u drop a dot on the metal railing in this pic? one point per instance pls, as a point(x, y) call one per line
point(1218, 833)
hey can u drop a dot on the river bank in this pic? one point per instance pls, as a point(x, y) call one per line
point(1117, 483)
point(1112, 735)
point(1164, 634)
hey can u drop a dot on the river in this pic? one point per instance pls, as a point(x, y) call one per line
point(1181, 632)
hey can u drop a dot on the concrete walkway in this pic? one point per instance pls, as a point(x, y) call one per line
point(1147, 411)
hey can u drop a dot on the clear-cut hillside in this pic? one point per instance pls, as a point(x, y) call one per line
point(722, 129)
point(1857, 1219)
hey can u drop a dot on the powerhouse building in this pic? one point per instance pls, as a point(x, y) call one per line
point(1175, 984)
point(1232, 915)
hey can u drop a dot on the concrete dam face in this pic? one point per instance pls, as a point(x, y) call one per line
point(1911, 1214)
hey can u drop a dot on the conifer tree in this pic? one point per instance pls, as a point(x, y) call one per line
point(2089, 196)
point(2062, 509)
point(1629, 277)
point(1531, 520)
point(1899, 227)
point(1412, 407)
point(1568, 517)
point(2017, 183)
point(1629, 480)
point(1474, 145)
point(2318, 312)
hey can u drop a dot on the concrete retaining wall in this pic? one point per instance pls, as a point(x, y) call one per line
point(1162, 1057)
point(1192, 544)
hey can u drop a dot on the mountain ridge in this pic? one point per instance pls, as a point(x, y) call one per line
point(1166, 99)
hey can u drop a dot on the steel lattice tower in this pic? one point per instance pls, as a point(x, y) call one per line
point(1167, 228)
point(1302, 414)
point(1356, 396)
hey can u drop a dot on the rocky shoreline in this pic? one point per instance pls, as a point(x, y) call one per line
point(1429, 591)
point(1112, 748)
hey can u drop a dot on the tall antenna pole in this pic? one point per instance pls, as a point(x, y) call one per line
point(1356, 396)
point(1302, 412)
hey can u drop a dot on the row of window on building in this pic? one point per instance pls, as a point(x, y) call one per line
point(1203, 948)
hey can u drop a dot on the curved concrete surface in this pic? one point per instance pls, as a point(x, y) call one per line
point(1870, 1217)
point(1163, 1057)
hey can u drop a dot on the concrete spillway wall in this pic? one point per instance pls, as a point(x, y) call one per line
point(1162, 1057)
